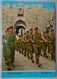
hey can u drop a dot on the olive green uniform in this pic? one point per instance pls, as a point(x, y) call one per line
point(27, 41)
point(11, 47)
point(51, 45)
point(30, 46)
point(37, 45)
point(24, 45)
point(44, 45)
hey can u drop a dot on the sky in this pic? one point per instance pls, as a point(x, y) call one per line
point(44, 4)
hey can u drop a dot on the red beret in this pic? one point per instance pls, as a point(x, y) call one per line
point(52, 30)
point(31, 29)
point(35, 28)
point(11, 27)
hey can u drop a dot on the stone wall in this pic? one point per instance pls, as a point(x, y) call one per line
point(33, 16)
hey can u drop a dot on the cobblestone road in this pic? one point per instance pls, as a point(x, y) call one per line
point(23, 63)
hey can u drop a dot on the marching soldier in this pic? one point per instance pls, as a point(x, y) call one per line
point(51, 44)
point(24, 44)
point(37, 45)
point(27, 42)
point(44, 44)
point(30, 45)
point(10, 47)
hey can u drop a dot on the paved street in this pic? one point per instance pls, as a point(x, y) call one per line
point(23, 63)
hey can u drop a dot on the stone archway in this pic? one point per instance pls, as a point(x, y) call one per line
point(20, 26)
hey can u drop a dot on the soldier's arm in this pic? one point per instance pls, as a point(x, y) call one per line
point(48, 39)
point(31, 40)
point(34, 38)
point(43, 38)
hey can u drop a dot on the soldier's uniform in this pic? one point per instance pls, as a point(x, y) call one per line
point(27, 41)
point(44, 44)
point(37, 45)
point(51, 44)
point(30, 45)
point(24, 44)
point(10, 48)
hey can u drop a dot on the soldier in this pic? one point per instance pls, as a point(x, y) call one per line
point(51, 44)
point(24, 44)
point(37, 45)
point(30, 44)
point(27, 41)
point(10, 47)
point(44, 44)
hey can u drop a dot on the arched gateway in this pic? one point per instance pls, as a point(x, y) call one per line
point(20, 27)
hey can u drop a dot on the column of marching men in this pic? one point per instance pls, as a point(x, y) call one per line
point(30, 43)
